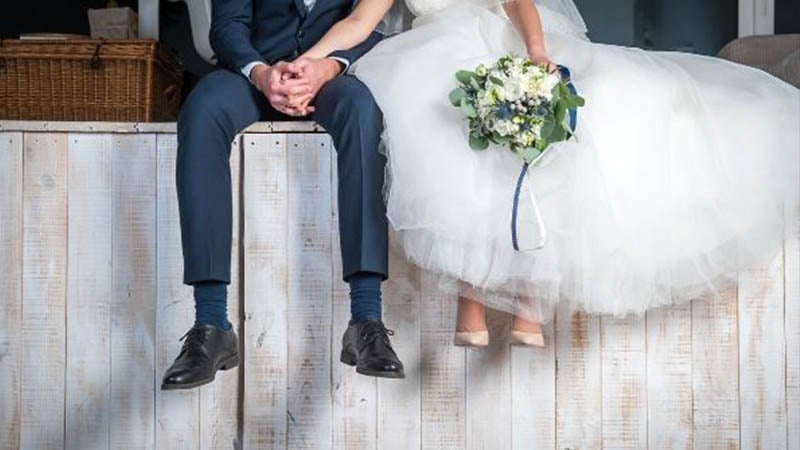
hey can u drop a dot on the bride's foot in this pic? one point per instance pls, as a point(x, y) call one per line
point(471, 330)
point(525, 332)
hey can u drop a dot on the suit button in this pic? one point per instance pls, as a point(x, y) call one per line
point(300, 33)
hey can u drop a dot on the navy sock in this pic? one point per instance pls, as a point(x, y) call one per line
point(211, 304)
point(365, 296)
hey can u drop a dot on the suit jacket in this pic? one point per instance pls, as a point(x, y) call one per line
point(243, 31)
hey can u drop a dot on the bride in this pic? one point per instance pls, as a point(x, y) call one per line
point(675, 180)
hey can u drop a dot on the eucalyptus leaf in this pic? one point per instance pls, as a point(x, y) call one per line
point(563, 90)
point(478, 142)
point(547, 126)
point(559, 134)
point(561, 111)
point(496, 80)
point(465, 76)
point(456, 95)
point(468, 109)
point(475, 84)
point(529, 154)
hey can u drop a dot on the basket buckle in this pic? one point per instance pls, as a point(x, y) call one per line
point(95, 62)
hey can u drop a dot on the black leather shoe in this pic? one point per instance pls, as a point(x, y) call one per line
point(205, 350)
point(366, 345)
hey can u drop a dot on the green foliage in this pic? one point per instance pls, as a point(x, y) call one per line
point(529, 154)
point(477, 142)
point(468, 109)
point(457, 95)
point(465, 76)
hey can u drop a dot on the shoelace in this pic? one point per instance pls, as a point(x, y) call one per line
point(374, 331)
point(194, 338)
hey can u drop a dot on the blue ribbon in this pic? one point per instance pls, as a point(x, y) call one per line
point(573, 123)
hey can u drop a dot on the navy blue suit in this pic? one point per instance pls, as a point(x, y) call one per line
point(225, 102)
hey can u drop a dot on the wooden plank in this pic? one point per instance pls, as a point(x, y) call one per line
point(89, 291)
point(442, 370)
point(219, 401)
point(791, 273)
point(715, 381)
point(488, 394)
point(762, 357)
point(264, 339)
point(624, 371)
point(669, 378)
point(533, 394)
point(399, 400)
point(310, 292)
point(147, 127)
point(355, 397)
point(44, 290)
point(11, 238)
point(578, 385)
point(176, 411)
point(134, 303)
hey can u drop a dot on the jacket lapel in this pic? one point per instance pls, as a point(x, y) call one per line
point(301, 7)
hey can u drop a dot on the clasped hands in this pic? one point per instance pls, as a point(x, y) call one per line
point(291, 87)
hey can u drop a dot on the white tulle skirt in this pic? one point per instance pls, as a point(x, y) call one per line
point(676, 180)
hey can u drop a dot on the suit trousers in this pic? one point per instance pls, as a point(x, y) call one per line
point(224, 103)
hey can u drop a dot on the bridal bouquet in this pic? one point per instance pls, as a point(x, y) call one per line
point(515, 103)
point(520, 105)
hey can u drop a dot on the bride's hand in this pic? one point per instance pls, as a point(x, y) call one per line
point(541, 59)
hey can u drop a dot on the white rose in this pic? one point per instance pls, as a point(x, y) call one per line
point(515, 89)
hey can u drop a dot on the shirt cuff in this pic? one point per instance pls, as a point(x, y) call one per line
point(248, 69)
point(343, 61)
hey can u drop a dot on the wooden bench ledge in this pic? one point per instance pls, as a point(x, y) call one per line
point(153, 127)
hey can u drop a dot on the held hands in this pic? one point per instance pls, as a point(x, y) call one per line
point(290, 87)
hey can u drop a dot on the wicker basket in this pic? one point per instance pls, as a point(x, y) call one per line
point(88, 80)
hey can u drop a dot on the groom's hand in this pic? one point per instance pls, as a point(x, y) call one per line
point(315, 73)
point(283, 87)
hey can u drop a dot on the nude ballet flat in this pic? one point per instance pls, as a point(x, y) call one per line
point(471, 338)
point(526, 338)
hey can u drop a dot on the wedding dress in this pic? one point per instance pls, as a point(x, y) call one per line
point(676, 179)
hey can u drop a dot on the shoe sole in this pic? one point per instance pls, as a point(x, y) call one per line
point(227, 364)
point(351, 360)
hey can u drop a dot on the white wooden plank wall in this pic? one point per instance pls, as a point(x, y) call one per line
point(89, 288)
point(92, 306)
point(266, 291)
point(11, 239)
point(44, 291)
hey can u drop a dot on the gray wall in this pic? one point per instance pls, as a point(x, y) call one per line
point(686, 25)
point(610, 21)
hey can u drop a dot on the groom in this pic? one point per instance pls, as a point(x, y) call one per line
point(257, 43)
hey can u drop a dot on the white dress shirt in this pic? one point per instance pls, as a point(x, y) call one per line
point(248, 69)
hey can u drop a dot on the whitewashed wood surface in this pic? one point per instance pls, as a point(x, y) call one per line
point(92, 306)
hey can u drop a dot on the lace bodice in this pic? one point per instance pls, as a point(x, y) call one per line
point(422, 7)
